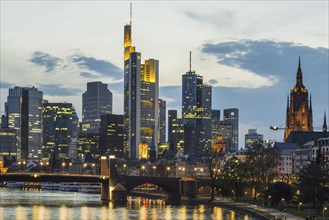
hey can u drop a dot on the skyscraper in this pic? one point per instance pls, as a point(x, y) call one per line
point(215, 119)
point(112, 135)
point(232, 115)
point(24, 114)
point(96, 101)
point(196, 111)
point(162, 120)
point(175, 131)
point(299, 116)
point(60, 125)
point(226, 130)
point(141, 110)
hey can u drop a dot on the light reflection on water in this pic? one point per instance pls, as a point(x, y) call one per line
point(20, 205)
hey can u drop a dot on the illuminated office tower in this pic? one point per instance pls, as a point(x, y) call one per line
point(232, 115)
point(252, 137)
point(88, 148)
point(149, 104)
point(60, 125)
point(8, 141)
point(196, 111)
point(141, 109)
point(112, 135)
point(226, 130)
point(175, 131)
point(162, 121)
point(215, 120)
point(24, 114)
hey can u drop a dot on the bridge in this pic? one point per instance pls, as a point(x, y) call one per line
point(175, 188)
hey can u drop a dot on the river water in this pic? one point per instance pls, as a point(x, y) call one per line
point(28, 204)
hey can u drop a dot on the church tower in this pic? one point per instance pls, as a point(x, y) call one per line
point(299, 108)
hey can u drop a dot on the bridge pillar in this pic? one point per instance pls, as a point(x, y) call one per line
point(174, 198)
point(189, 188)
point(105, 191)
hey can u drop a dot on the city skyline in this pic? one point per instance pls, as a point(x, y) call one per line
point(227, 61)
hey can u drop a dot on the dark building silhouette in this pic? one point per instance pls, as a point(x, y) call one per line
point(162, 120)
point(215, 120)
point(112, 135)
point(231, 119)
point(299, 107)
point(96, 101)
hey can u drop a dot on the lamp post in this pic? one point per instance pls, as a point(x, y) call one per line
point(19, 166)
point(41, 164)
point(299, 205)
point(63, 166)
point(70, 165)
point(47, 163)
point(282, 202)
point(110, 158)
point(168, 170)
point(154, 170)
point(124, 168)
point(268, 203)
point(93, 165)
point(24, 168)
point(323, 211)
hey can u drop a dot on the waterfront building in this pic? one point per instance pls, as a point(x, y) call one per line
point(24, 114)
point(112, 135)
point(252, 137)
point(232, 115)
point(96, 101)
point(8, 141)
point(60, 125)
point(175, 131)
point(299, 116)
point(162, 120)
point(88, 149)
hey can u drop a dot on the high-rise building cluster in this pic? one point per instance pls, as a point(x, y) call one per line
point(35, 129)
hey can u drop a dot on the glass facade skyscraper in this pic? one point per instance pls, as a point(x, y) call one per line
point(96, 101)
point(162, 120)
point(232, 115)
point(24, 114)
point(60, 125)
point(196, 111)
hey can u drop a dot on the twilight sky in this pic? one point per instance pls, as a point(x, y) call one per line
point(247, 50)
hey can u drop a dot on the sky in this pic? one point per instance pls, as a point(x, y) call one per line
point(247, 50)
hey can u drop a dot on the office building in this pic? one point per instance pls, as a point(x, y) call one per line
point(232, 115)
point(141, 110)
point(226, 130)
point(8, 141)
point(88, 149)
point(96, 101)
point(252, 138)
point(24, 114)
point(162, 121)
point(215, 120)
point(112, 135)
point(60, 125)
point(196, 112)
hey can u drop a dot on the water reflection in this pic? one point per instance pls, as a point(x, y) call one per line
point(16, 204)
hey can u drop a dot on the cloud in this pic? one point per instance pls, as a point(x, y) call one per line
point(103, 67)
point(6, 85)
point(268, 58)
point(45, 60)
point(213, 81)
point(86, 75)
point(58, 90)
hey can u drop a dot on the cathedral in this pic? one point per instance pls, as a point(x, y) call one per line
point(299, 107)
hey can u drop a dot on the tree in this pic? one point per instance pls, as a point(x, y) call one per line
point(262, 162)
point(313, 182)
point(278, 191)
point(234, 176)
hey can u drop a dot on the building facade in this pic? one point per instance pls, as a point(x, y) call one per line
point(112, 135)
point(162, 120)
point(141, 110)
point(252, 137)
point(24, 114)
point(96, 101)
point(8, 141)
point(215, 120)
point(60, 125)
point(196, 112)
point(299, 116)
point(231, 115)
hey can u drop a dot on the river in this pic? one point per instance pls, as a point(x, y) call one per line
point(29, 204)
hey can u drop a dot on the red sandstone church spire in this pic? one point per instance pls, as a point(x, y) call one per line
point(299, 110)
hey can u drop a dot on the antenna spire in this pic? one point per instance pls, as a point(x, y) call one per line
point(131, 13)
point(190, 61)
